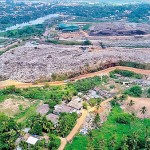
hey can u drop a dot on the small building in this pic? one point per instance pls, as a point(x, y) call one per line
point(68, 27)
point(93, 94)
point(53, 118)
point(62, 108)
point(76, 103)
point(86, 98)
point(32, 140)
point(43, 109)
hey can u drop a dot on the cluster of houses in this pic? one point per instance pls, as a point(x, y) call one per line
point(75, 105)
point(129, 81)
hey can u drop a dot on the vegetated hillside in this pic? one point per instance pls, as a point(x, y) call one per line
point(29, 63)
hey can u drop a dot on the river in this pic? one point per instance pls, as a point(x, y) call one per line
point(33, 22)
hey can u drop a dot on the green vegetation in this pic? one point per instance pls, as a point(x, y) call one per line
point(135, 91)
point(39, 124)
point(9, 132)
point(94, 101)
point(66, 123)
point(125, 73)
point(41, 144)
point(86, 84)
point(148, 93)
point(35, 30)
point(120, 130)
point(69, 42)
point(54, 142)
point(134, 65)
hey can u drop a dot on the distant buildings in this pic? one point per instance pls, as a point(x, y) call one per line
point(68, 27)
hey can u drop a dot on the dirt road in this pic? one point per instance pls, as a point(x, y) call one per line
point(6, 83)
point(80, 122)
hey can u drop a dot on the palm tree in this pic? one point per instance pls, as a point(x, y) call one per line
point(102, 144)
point(131, 103)
point(113, 142)
point(90, 135)
point(143, 110)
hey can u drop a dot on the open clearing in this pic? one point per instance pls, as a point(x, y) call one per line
point(137, 106)
point(13, 106)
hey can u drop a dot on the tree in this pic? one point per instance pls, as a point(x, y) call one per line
point(66, 123)
point(135, 91)
point(85, 105)
point(113, 142)
point(131, 103)
point(9, 132)
point(97, 120)
point(54, 142)
point(86, 42)
point(143, 110)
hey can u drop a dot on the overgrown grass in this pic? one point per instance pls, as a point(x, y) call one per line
point(111, 128)
point(24, 115)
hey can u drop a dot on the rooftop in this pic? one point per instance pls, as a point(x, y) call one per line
point(53, 118)
point(63, 108)
point(43, 109)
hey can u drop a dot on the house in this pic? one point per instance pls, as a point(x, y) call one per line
point(75, 104)
point(86, 98)
point(103, 93)
point(60, 108)
point(53, 118)
point(43, 109)
point(93, 94)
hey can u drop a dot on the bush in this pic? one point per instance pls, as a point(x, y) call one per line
point(148, 93)
point(93, 102)
point(135, 91)
point(85, 105)
point(66, 123)
point(134, 65)
point(125, 73)
point(54, 142)
point(123, 118)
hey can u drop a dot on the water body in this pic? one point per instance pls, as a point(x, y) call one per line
point(33, 22)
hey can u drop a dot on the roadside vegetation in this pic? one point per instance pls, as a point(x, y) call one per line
point(135, 65)
point(125, 73)
point(87, 42)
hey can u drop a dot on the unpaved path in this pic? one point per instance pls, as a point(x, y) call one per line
point(80, 122)
point(6, 83)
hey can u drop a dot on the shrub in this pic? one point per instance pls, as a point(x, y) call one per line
point(148, 93)
point(135, 91)
point(125, 73)
point(93, 102)
point(54, 142)
point(85, 105)
point(123, 118)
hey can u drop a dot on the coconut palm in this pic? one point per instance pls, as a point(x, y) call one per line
point(143, 110)
point(131, 103)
